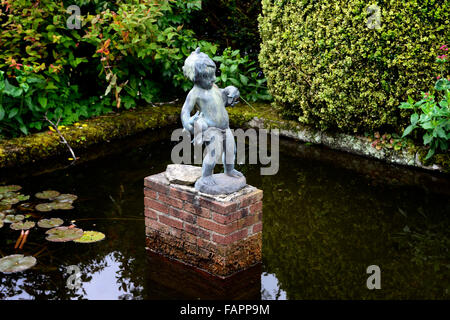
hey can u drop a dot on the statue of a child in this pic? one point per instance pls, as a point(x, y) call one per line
point(211, 124)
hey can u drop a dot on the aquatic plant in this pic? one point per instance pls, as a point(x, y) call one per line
point(44, 207)
point(16, 263)
point(22, 225)
point(11, 188)
point(50, 223)
point(90, 237)
point(66, 197)
point(48, 194)
point(63, 234)
point(13, 218)
point(61, 205)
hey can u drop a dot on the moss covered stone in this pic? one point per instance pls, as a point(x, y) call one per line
point(47, 144)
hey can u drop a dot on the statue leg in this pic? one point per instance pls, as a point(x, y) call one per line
point(229, 155)
point(209, 162)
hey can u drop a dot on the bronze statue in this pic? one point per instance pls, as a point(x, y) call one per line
point(211, 124)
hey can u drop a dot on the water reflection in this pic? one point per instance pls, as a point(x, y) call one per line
point(327, 216)
point(271, 289)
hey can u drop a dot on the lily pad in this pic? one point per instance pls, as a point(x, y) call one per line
point(1, 224)
point(90, 237)
point(50, 223)
point(16, 263)
point(2, 216)
point(10, 201)
point(13, 218)
point(66, 197)
point(22, 225)
point(44, 207)
point(48, 194)
point(12, 188)
point(61, 205)
point(63, 234)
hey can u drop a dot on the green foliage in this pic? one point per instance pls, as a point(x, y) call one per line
point(243, 74)
point(128, 52)
point(229, 23)
point(432, 116)
point(326, 67)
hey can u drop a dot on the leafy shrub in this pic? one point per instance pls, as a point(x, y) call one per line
point(141, 49)
point(243, 74)
point(229, 23)
point(128, 52)
point(328, 68)
point(432, 116)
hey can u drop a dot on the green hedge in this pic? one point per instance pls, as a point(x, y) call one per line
point(328, 68)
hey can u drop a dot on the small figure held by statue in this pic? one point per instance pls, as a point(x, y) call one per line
point(210, 125)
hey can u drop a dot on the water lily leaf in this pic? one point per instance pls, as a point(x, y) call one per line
point(66, 197)
point(90, 237)
point(22, 225)
point(63, 234)
point(22, 197)
point(50, 223)
point(16, 263)
point(61, 205)
point(1, 224)
point(10, 201)
point(44, 207)
point(48, 194)
point(12, 188)
point(13, 218)
point(5, 213)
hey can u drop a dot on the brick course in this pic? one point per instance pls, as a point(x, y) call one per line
point(202, 231)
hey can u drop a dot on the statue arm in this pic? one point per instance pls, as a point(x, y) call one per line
point(188, 106)
point(230, 95)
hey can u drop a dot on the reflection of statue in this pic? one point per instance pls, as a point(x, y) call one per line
point(211, 124)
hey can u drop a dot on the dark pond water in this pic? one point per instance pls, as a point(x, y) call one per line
point(327, 217)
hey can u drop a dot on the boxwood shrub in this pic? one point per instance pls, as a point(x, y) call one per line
point(330, 66)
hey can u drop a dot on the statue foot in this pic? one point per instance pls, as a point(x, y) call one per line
point(209, 181)
point(234, 173)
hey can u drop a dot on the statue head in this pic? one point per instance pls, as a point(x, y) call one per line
point(200, 69)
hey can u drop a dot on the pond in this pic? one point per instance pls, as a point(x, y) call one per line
point(327, 217)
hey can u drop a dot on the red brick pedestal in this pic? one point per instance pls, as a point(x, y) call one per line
point(221, 235)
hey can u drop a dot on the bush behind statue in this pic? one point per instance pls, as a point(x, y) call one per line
point(327, 65)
